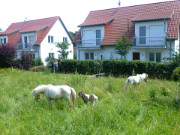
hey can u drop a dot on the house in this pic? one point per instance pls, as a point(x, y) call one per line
point(154, 30)
point(38, 37)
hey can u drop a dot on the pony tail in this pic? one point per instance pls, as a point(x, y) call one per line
point(73, 93)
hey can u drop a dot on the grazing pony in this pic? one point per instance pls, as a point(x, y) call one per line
point(57, 92)
point(39, 90)
point(87, 97)
point(136, 80)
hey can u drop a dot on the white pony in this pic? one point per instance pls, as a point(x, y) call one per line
point(136, 80)
point(56, 92)
point(39, 90)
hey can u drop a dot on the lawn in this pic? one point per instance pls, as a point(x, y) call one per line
point(150, 110)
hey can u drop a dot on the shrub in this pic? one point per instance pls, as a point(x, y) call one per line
point(38, 68)
point(176, 74)
point(7, 54)
point(37, 61)
point(7, 70)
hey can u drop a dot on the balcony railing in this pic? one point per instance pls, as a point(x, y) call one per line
point(27, 47)
point(149, 42)
point(90, 42)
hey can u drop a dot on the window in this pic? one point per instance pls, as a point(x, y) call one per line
point(51, 55)
point(151, 56)
point(86, 55)
point(89, 55)
point(25, 41)
point(50, 39)
point(142, 35)
point(136, 56)
point(65, 39)
point(158, 57)
point(31, 39)
point(98, 37)
point(3, 41)
point(92, 56)
point(155, 57)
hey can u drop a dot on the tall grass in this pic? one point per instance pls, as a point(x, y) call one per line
point(150, 110)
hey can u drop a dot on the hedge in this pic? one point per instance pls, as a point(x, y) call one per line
point(153, 69)
point(118, 67)
point(80, 66)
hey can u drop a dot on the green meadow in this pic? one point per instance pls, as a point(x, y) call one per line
point(150, 110)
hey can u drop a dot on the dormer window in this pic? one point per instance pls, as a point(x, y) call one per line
point(30, 39)
point(50, 39)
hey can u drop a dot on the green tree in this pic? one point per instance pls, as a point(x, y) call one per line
point(123, 45)
point(73, 34)
point(63, 49)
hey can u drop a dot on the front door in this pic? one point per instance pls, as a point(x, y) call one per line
point(136, 56)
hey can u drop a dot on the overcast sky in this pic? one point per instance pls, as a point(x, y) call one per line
point(72, 12)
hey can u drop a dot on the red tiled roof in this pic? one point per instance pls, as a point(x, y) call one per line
point(123, 19)
point(153, 16)
point(102, 17)
point(41, 26)
point(77, 37)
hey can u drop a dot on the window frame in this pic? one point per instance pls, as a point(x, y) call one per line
point(65, 40)
point(51, 55)
point(142, 35)
point(50, 39)
point(98, 37)
point(156, 56)
point(89, 55)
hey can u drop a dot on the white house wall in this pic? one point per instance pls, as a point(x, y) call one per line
point(58, 32)
point(108, 52)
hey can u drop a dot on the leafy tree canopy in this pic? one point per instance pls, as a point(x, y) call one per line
point(63, 49)
point(123, 45)
point(7, 54)
point(73, 34)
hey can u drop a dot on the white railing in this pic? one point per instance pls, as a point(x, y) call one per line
point(27, 47)
point(90, 43)
point(149, 41)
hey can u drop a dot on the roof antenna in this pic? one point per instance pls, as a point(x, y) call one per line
point(119, 3)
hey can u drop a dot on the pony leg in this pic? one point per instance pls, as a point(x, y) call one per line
point(130, 84)
point(126, 83)
point(93, 103)
point(67, 98)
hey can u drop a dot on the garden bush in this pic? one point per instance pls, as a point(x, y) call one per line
point(176, 74)
point(38, 68)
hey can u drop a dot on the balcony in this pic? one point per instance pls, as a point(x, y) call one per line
point(28, 47)
point(89, 44)
point(149, 42)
